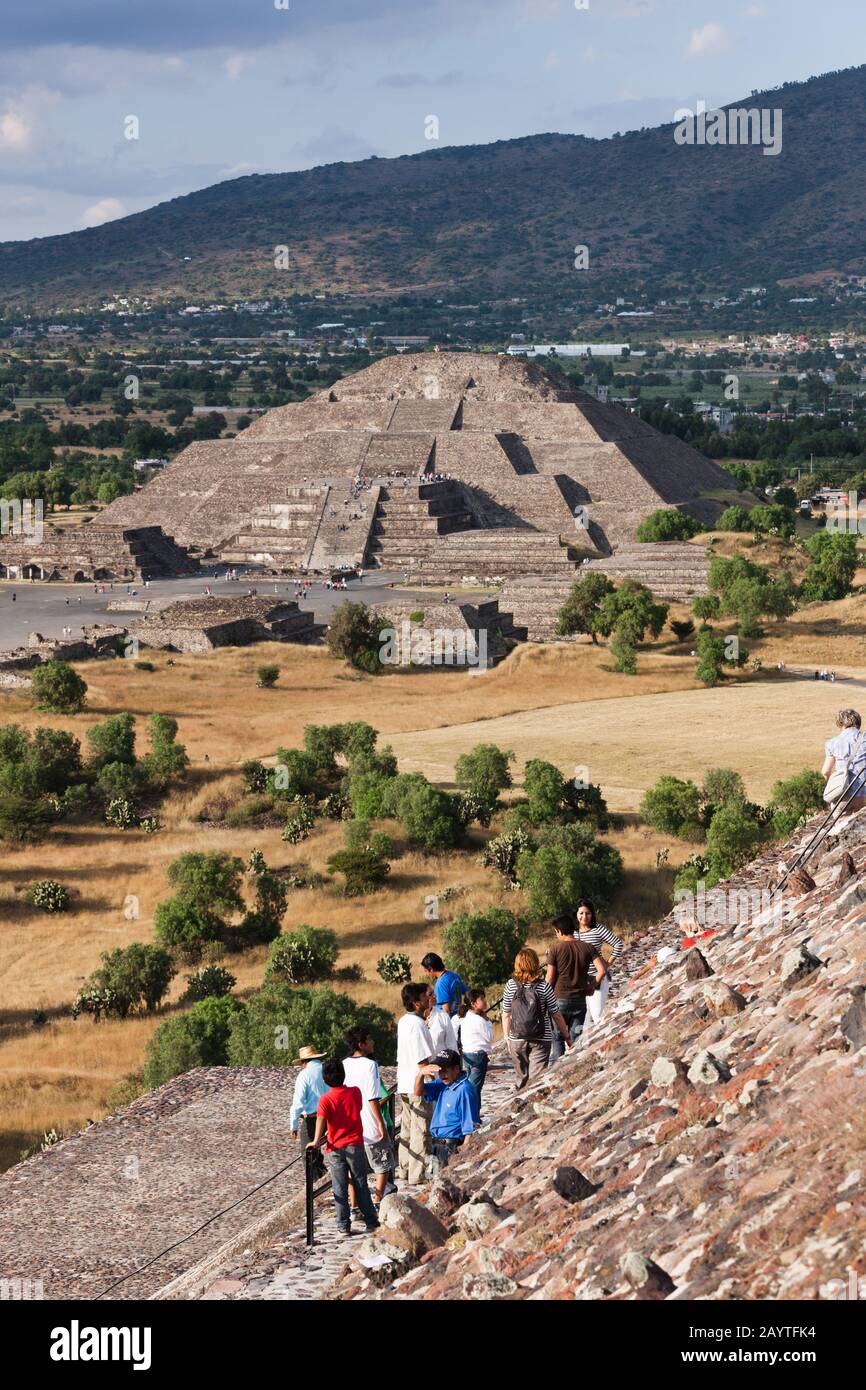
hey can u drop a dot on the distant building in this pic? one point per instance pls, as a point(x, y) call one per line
point(570, 350)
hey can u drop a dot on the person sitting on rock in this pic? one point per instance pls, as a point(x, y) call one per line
point(457, 1112)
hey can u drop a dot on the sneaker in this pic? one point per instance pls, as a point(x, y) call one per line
point(371, 1229)
point(344, 1230)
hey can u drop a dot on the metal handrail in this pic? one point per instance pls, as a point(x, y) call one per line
point(837, 810)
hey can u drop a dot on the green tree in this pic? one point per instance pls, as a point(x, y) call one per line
point(353, 635)
point(365, 869)
point(23, 820)
point(772, 519)
point(294, 776)
point(732, 839)
point(303, 956)
point(484, 771)
point(58, 689)
point(112, 741)
point(722, 784)
point(580, 611)
point(711, 656)
point(198, 1038)
point(832, 568)
point(734, 518)
point(481, 946)
point(628, 613)
point(706, 607)
point(134, 974)
point(795, 799)
point(281, 1018)
point(167, 758)
point(428, 815)
point(668, 524)
point(673, 806)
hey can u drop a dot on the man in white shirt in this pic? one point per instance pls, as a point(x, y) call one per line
point(362, 1071)
point(414, 1047)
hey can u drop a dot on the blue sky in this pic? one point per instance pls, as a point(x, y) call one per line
point(228, 87)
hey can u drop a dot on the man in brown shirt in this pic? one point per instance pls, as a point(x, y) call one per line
point(568, 973)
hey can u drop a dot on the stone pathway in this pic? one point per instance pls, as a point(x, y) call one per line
point(286, 1268)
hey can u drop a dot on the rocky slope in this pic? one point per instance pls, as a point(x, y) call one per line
point(708, 1143)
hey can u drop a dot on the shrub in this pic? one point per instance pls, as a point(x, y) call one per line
point(59, 689)
point(49, 895)
point(833, 565)
point(211, 982)
point(794, 800)
point(370, 795)
point(92, 1000)
point(299, 823)
point(501, 853)
point(558, 874)
point(267, 677)
point(295, 774)
point(121, 813)
point(181, 924)
point(280, 1018)
point(125, 1092)
point(481, 946)
point(428, 815)
point(682, 631)
point(255, 777)
point(416, 617)
point(150, 824)
point(668, 524)
point(112, 741)
point(672, 806)
point(353, 635)
point(732, 838)
point(364, 870)
point(24, 821)
point(167, 758)
point(600, 864)
point(471, 806)
point(711, 657)
point(304, 956)
point(733, 519)
point(144, 666)
point(336, 806)
point(722, 784)
point(707, 607)
point(198, 1038)
point(120, 780)
point(133, 975)
point(395, 968)
point(484, 771)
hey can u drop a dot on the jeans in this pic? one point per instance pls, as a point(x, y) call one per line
point(475, 1064)
point(573, 1010)
point(443, 1149)
point(343, 1164)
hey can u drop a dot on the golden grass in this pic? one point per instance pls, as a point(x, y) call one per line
point(559, 702)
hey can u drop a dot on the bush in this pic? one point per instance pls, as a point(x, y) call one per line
point(502, 852)
point(255, 777)
point(428, 815)
point(707, 607)
point(544, 786)
point(125, 1092)
point(353, 635)
point(668, 524)
point(365, 870)
point(150, 824)
point(395, 968)
point(722, 784)
point(295, 774)
point(299, 823)
point(59, 689)
point(416, 617)
point(672, 806)
point(49, 895)
point(600, 864)
point(711, 657)
point(24, 821)
point(484, 771)
point(682, 631)
point(211, 982)
point(794, 800)
point(833, 565)
point(183, 925)
point(304, 956)
point(198, 1038)
point(281, 1018)
point(127, 977)
point(370, 795)
point(112, 741)
point(336, 806)
point(732, 839)
point(481, 946)
point(267, 677)
point(733, 519)
point(167, 758)
point(572, 866)
point(144, 666)
point(121, 813)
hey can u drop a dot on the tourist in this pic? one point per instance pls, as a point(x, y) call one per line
point(844, 766)
point(529, 1013)
point(309, 1089)
point(475, 1036)
point(568, 966)
point(444, 1083)
point(339, 1113)
point(439, 1023)
point(449, 988)
point(414, 1046)
point(362, 1071)
point(590, 930)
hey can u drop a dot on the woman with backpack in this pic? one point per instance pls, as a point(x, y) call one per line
point(529, 1014)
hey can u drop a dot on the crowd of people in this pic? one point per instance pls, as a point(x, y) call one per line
point(444, 1041)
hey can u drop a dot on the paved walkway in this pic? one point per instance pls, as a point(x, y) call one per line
point(286, 1268)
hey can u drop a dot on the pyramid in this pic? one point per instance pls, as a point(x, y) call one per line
point(475, 466)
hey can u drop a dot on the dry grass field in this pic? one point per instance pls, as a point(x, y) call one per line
point(560, 702)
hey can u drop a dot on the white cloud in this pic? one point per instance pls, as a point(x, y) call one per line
point(236, 65)
point(105, 210)
point(709, 39)
point(15, 132)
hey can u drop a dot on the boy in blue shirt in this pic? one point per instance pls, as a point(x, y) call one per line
point(457, 1111)
point(448, 987)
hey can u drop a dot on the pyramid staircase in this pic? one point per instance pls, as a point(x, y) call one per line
point(673, 570)
point(411, 519)
point(279, 535)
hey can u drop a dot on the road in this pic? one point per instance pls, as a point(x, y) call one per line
point(48, 608)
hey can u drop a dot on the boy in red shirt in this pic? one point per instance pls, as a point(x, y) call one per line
point(339, 1111)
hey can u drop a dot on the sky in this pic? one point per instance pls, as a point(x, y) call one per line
point(107, 107)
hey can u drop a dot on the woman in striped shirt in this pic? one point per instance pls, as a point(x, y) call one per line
point(529, 1013)
point(593, 933)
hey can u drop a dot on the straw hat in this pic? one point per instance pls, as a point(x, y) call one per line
point(309, 1054)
